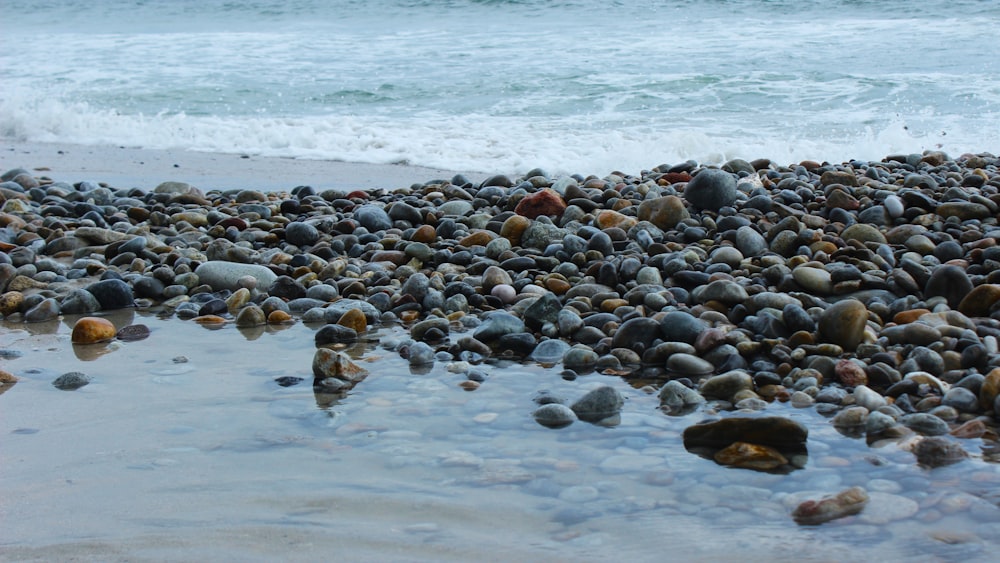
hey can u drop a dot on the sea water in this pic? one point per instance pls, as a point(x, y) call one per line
point(197, 444)
point(585, 86)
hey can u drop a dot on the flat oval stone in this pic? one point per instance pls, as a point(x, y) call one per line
point(554, 415)
point(226, 275)
point(690, 365)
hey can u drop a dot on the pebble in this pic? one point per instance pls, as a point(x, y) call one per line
point(845, 503)
point(843, 323)
point(811, 279)
point(71, 381)
point(554, 415)
point(938, 451)
point(338, 365)
point(91, 330)
point(711, 189)
point(926, 424)
point(599, 404)
point(228, 275)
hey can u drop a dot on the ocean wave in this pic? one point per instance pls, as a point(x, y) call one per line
point(573, 144)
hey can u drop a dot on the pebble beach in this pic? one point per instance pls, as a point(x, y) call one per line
point(865, 292)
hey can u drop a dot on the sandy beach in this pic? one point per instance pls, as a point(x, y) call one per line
point(126, 167)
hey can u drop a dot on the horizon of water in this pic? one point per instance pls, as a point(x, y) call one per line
point(579, 86)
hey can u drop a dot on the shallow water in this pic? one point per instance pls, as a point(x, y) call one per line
point(165, 458)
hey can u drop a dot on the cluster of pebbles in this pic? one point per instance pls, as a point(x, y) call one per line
point(869, 291)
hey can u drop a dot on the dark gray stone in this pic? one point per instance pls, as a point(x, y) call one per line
point(711, 189)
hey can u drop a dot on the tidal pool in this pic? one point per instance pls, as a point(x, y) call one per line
point(185, 447)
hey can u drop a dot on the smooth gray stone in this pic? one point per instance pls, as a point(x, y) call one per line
point(226, 275)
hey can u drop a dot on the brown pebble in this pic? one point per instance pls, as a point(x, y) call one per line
point(469, 385)
point(990, 389)
point(279, 317)
point(425, 234)
point(905, 317)
point(10, 302)
point(850, 373)
point(750, 456)
point(354, 319)
point(980, 301)
point(513, 228)
point(209, 320)
point(90, 330)
point(478, 238)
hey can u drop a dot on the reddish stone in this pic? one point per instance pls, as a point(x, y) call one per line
point(237, 222)
point(358, 194)
point(850, 374)
point(543, 202)
point(674, 178)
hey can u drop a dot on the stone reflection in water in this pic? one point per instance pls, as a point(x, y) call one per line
point(251, 333)
point(91, 352)
point(329, 396)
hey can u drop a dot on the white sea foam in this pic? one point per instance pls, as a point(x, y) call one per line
point(475, 143)
point(572, 87)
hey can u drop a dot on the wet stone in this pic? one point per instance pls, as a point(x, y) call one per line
point(845, 503)
point(112, 294)
point(47, 310)
point(778, 432)
point(90, 330)
point(554, 415)
point(71, 381)
point(938, 452)
point(497, 324)
point(599, 404)
point(924, 423)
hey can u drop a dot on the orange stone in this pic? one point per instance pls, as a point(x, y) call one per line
point(89, 330)
point(209, 320)
point(906, 317)
point(354, 319)
point(609, 305)
point(279, 317)
point(557, 286)
point(409, 316)
point(606, 219)
point(478, 238)
point(750, 456)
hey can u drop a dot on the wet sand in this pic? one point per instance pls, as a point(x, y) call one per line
point(125, 167)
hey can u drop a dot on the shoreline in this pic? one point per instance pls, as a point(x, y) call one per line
point(129, 167)
point(791, 321)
